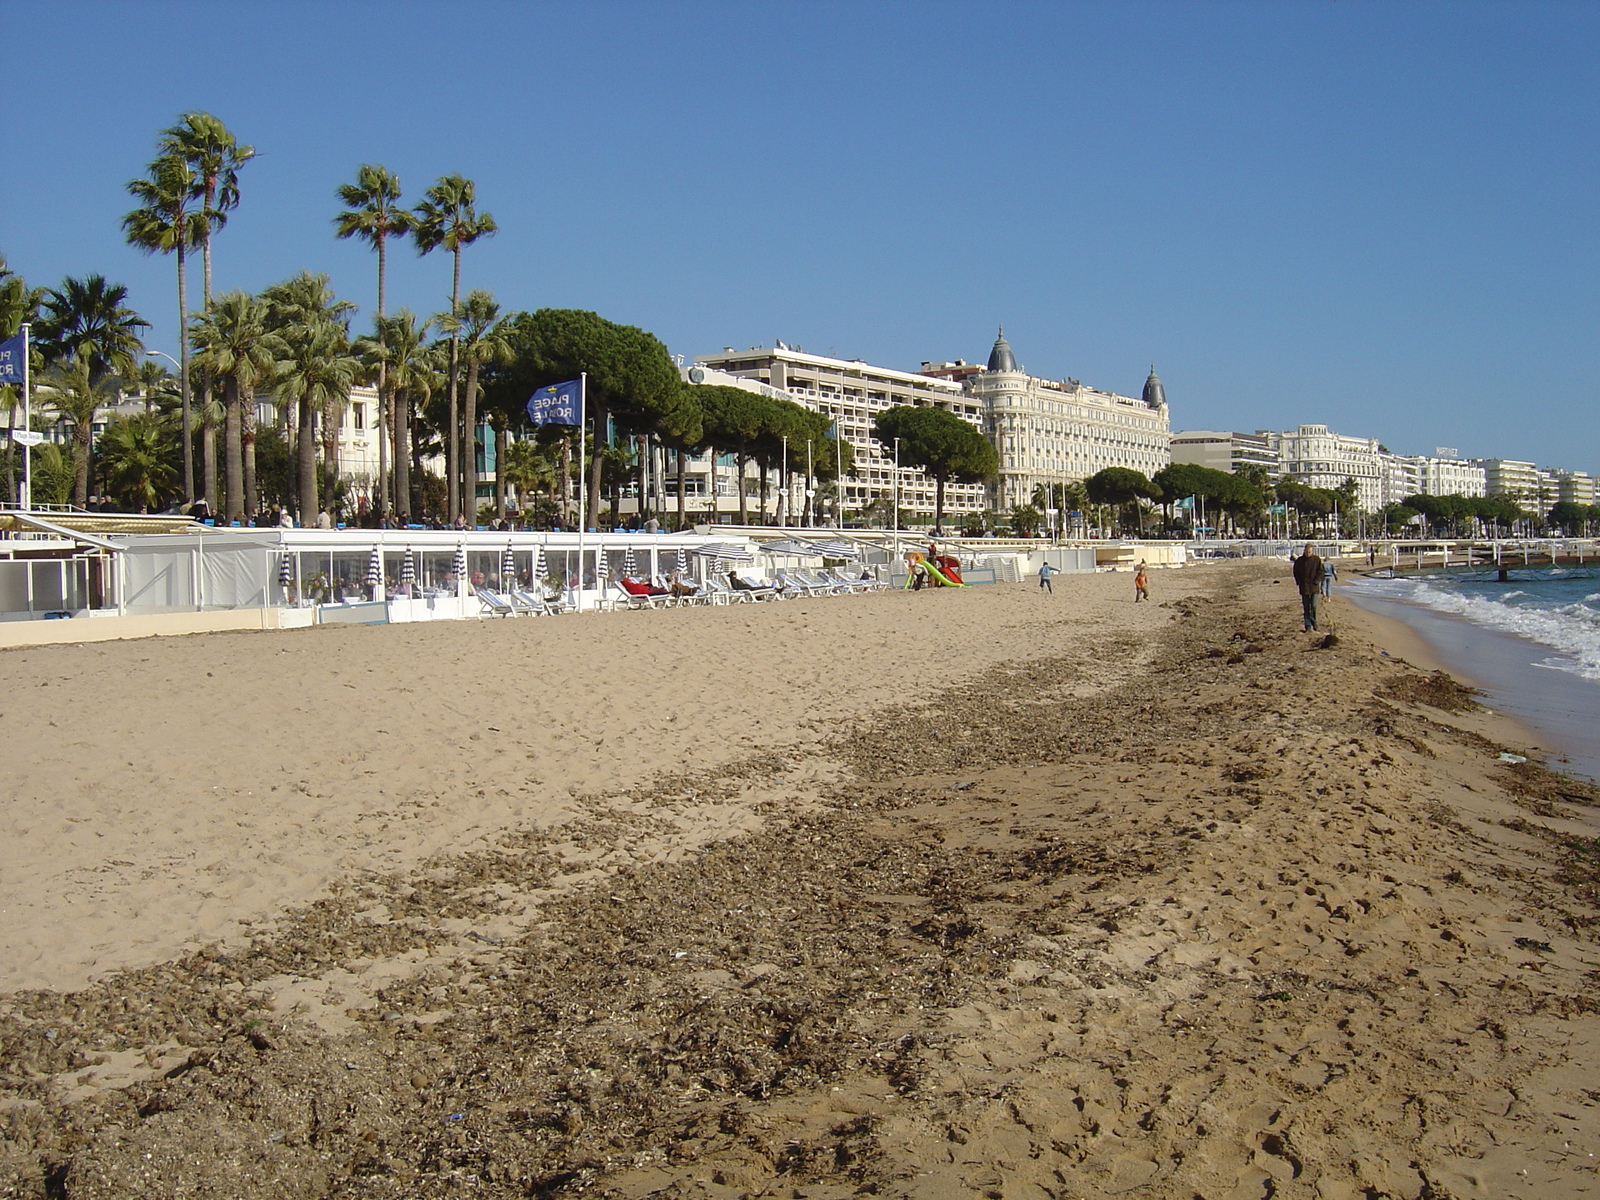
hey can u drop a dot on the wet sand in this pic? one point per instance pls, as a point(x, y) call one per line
point(1167, 900)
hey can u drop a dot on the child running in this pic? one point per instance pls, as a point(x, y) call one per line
point(1141, 584)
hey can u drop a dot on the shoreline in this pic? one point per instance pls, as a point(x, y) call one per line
point(1188, 906)
point(1550, 710)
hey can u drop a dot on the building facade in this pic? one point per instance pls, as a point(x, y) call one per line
point(1320, 458)
point(1046, 431)
point(1223, 451)
point(1516, 481)
point(1052, 431)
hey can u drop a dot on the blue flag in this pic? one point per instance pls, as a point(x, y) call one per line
point(556, 404)
point(13, 351)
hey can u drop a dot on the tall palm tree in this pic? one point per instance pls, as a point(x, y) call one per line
point(213, 157)
point(374, 215)
point(87, 319)
point(400, 344)
point(166, 224)
point(237, 346)
point(448, 217)
point(481, 335)
point(316, 362)
point(76, 395)
point(153, 382)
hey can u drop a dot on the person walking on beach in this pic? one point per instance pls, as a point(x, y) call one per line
point(1045, 571)
point(1308, 574)
point(1141, 584)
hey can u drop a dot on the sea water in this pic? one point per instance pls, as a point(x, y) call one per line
point(1532, 642)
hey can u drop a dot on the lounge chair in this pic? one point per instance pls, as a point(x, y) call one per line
point(750, 591)
point(494, 603)
point(636, 594)
point(792, 583)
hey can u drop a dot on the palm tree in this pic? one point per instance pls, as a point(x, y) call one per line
point(87, 319)
point(166, 224)
point(213, 157)
point(76, 396)
point(374, 215)
point(399, 343)
point(236, 346)
point(449, 218)
point(316, 361)
point(482, 337)
point(138, 460)
point(153, 382)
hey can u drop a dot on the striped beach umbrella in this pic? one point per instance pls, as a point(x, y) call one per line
point(602, 566)
point(683, 562)
point(461, 561)
point(630, 565)
point(508, 565)
point(408, 568)
point(375, 568)
point(541, 568)
point(286, 571)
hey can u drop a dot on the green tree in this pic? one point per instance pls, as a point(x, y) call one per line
point(448, 217)
point(166, 223)
point(733, 420)
point(139, 460)
point(237, 345)
point(940, 443)
point(76, 396)
point(1122, 487)
point(87, 319)
point(213, 157)
point(374, 216)
point(1025, 519)
point(315, 373)
point(632, 380)
point(480, 338)
point(400, 342)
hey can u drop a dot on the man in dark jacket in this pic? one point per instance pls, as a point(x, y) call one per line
point(1308, 572)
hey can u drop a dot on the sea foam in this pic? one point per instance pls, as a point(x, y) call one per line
point(1571, 628)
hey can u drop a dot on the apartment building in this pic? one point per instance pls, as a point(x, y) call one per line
point(1222, 451)
point(1320, 458)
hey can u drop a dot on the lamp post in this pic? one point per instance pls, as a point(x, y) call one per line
point(783, 475)
point(183, 384)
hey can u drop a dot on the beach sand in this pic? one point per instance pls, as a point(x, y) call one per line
point(958, 893)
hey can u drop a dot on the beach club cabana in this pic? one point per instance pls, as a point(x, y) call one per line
point(103, 565)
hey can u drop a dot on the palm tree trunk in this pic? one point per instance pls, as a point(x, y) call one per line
point(385, 401)
point(938, 505)
point(469, 447)
point(739, 465)
point(233, 448)
point(291, 484)
point(208, 450)
point(330, 458)
point(183, 373)
point(82, 434)
point(602, 415)
point(308, 465)
point(402, 459)
point(416, 460)
point(452, 443)
point(247, 447)
point(683, 482)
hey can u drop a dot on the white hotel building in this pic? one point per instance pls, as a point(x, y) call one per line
point(1046, 430)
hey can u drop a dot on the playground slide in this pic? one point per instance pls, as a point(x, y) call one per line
point(943, 575)
point(951, 569)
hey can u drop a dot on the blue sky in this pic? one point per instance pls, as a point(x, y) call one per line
point(1380, 215)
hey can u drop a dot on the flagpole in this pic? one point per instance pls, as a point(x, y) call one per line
point(583, 504)
point(27, 424)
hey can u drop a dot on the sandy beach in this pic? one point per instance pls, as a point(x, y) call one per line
point(959, 893)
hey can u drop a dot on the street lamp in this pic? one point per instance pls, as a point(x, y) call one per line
point(188, 440)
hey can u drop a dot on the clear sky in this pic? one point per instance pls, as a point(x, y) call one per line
point(1375, 214)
